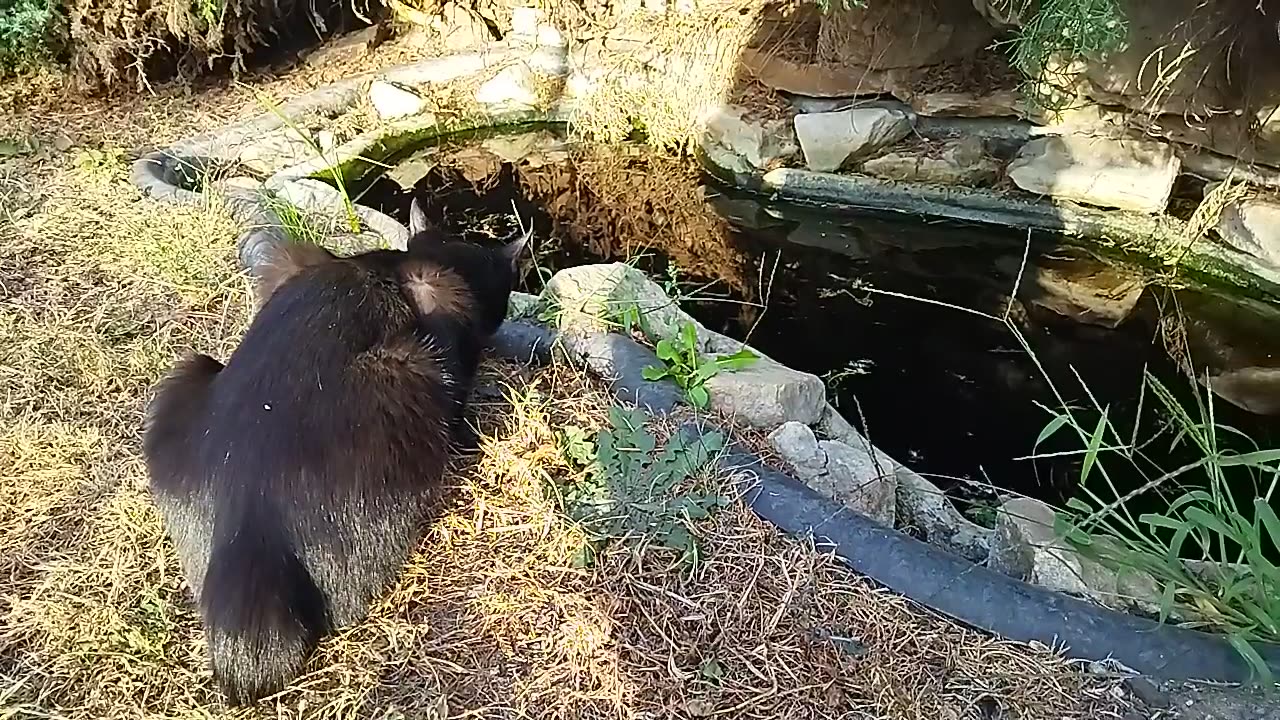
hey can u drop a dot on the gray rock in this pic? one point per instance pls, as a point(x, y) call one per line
point(831, 139)
point(595, 296)
point(274, 150)
point(1252, 225)
point(764, 395)
point(925, 508)
point(763, 144)
point(1026, 546)
point(514, 86)
point(920, 505)
point(961, 162)
point(1001, 103)
point(392, 101)
point(798, 446)
point(724, 158)
point(521, 305)
point(1122, 173)
point(862, 481)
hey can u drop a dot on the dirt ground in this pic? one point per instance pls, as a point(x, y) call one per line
point(100, 290)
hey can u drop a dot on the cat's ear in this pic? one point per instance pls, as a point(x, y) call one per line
point(417, 219)
point(513, 250)
point(282, 263)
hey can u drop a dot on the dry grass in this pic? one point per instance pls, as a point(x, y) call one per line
point(100, 290)
point(687, 68)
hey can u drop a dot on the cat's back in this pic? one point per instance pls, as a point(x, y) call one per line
point(329, 375)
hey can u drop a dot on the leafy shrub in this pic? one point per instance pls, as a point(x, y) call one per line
point(30, 33)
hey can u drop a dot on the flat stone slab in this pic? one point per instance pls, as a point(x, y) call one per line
point(831, 139)
point(1122, 173)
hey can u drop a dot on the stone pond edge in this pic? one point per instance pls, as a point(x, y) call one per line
point(932, 576)
point(938, 579)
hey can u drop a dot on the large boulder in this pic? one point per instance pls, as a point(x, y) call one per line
point(1123, 173)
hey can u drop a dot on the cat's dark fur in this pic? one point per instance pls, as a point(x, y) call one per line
point(293, 480)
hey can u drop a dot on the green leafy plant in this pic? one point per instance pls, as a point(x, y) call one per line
point(210, 11)
point(30, 33)
point(100, 160)
point(1053, 35)
point(629, 488)
point(689, 369)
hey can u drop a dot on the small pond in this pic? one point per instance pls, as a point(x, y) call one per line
point(862, 301)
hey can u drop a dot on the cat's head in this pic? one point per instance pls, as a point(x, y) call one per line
point(491, 273)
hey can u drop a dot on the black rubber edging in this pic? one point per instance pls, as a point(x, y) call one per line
point(937, 579)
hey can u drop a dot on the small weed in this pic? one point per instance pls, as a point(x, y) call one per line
point(689, 369)
point(982, 512)
point(631, 489)
point(13, 147)
point(149, 628)
point(294, 221)
point(711, 671)
point(630, 319)
point(91, 160)
point(209, 11)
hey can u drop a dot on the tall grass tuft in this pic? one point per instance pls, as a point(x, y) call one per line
point(332, 168)
point(1212, 553)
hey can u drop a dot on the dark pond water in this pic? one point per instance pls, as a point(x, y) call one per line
point(952, 394)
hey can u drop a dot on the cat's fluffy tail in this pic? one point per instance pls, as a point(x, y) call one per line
point(263, 613)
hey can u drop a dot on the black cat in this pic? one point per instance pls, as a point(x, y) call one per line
point(293, 480)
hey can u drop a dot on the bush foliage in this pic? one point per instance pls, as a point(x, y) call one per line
point(107, 41)
point(31, 31)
